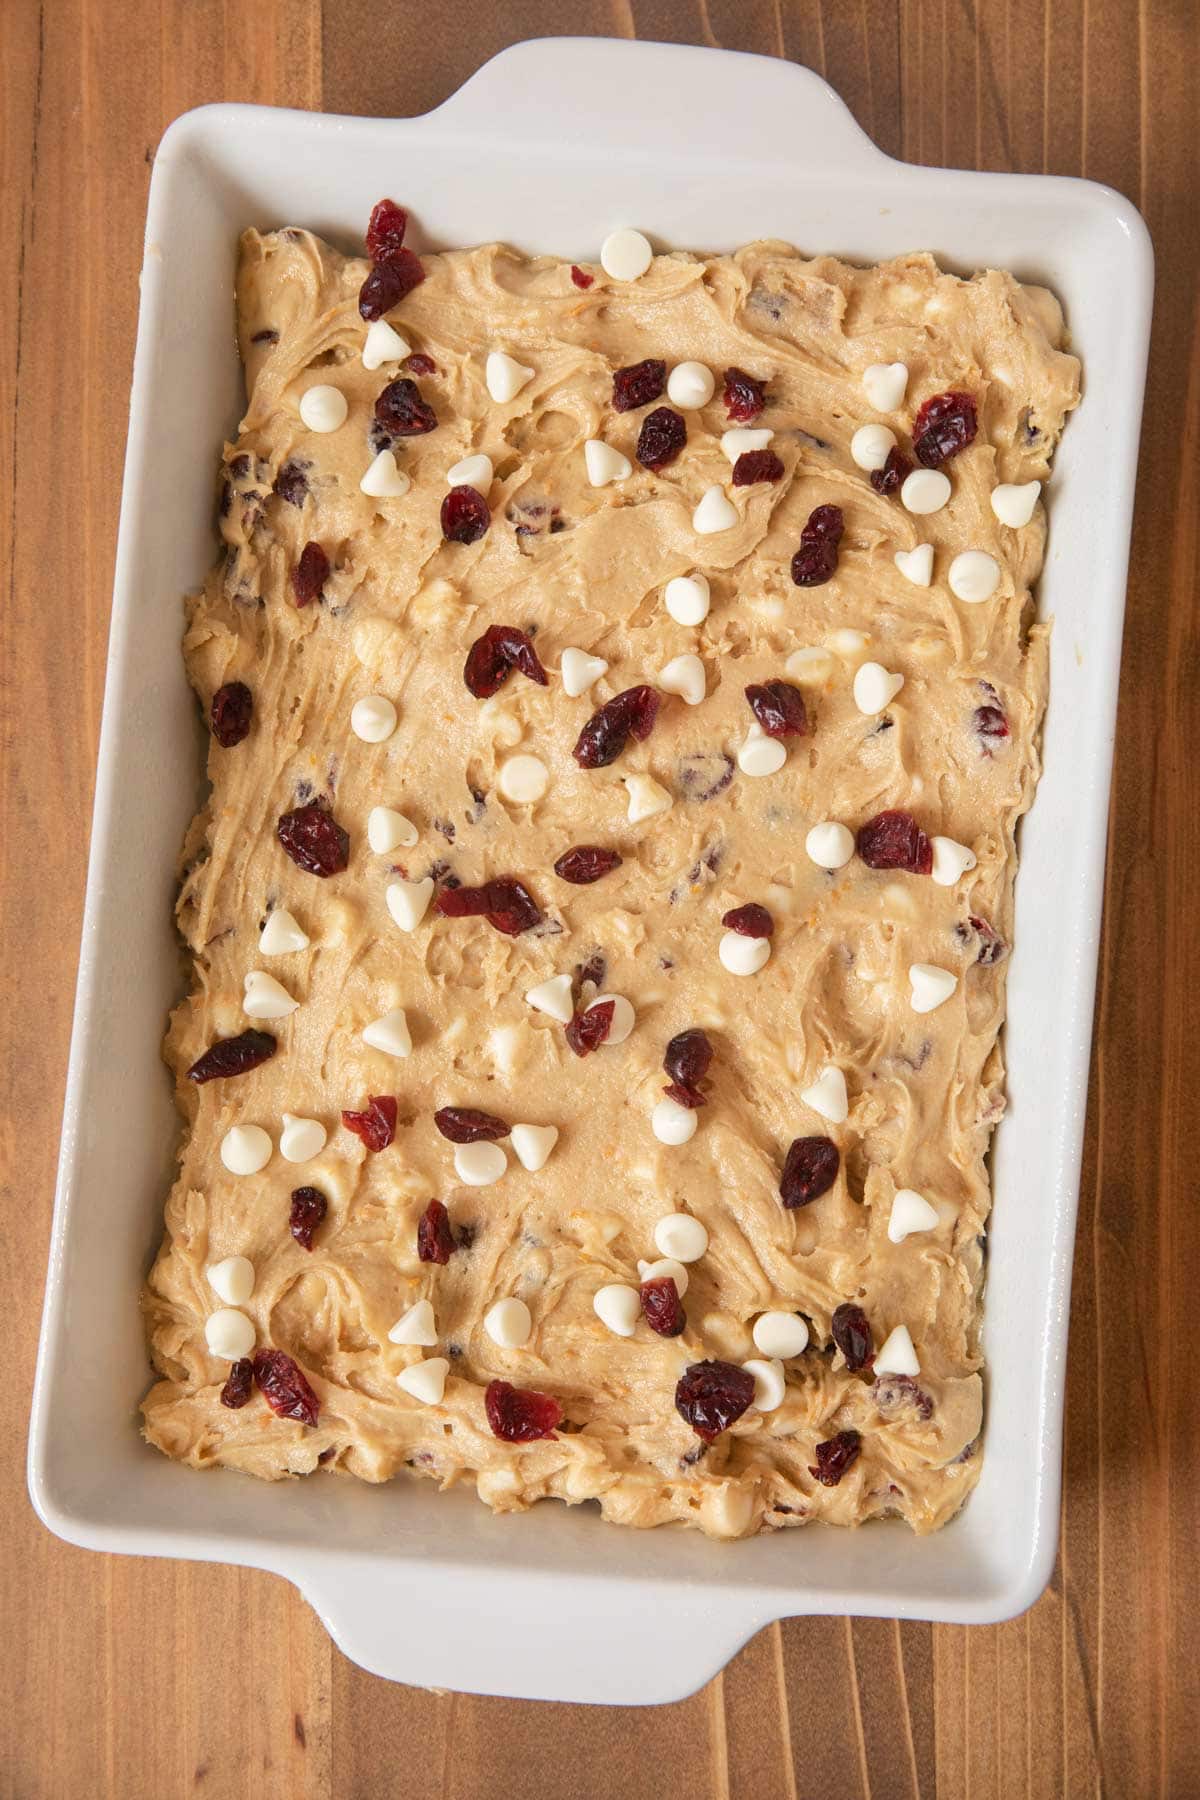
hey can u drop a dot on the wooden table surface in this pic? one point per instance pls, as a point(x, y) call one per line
point(138, 1678)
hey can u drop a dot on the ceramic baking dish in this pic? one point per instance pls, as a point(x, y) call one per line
point(547, 147)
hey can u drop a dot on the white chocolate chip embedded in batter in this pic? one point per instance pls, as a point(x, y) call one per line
point(472, 471)
point(301, 1139)
point(232, 1279)
point(684, 675)
point(384, 479)
point(416, 1326)
point(672, 1123)
point(974, 576)
point(617, 1306)
point(553, 997)
point(931, 986)
point(647, 797)
point(885, 384)
point(579, 670)
point(623, 1017)
point(1013, 502)
point(715, 512)
point(323, 408)
point(266, 998)
point(523, 779)
point(916, 565)
point(383, 343)
point(229, 1334)
point(505, 377)
point(690, 385)
point(830, 845)
point(666, 1268)
point(625, 254)
point(812, 663)
point(827, 1095)
point(408, 902)
point(388, 830)
point(509, 1324)
point(687, 598)
point(741, 439)
point(604, 464)
point(770, 1387)
point(245, 1149)
point(910, 1212)
point(389, 1033)
point(281, 935)
point(925, 491)
point(871, 446)
point(680, 1236)
point(743, 955)
point(896, 1355)
point(479, 1165)
point(950, 860)
point(532, 1145)
point(780, 1334)
point(761, 755)
point(373, 719)
point(875, 687)
point(425, 1380)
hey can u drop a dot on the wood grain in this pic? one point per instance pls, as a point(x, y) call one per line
point(128, 1678)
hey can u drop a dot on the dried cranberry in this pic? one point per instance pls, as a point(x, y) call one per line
point(639, 384)
point(751, 920)
point(376, 1124)
point(466, 1125)
point(835, 1456)
point(991, 723)
point(586, 863)
point(686, 1060)
point(661, 1307)
point(580, 277)
point(816, 561)
point(291, 483)
point(402, 411)
point(285, 1387)
point(233, 1056)
point(744, 397)
point(504, 902)
point(314, 840)
point(944, 426)
point(589, 1028)
point(419, 364)
point(893, 473)
point(435, 1240)
point(519, 1415)
point(713, 1395)
point(501, 648)
point(310, 574)
point(851, 1331)
point(992, 947)
point(239, 1384)
point(268, 335)
point(756, 465)
point(388, 282)
point(231, 712)
point(309, 1207)
point(779, 708)
point(894, 840)
point(809, 1170)
point(465, 515)
point(895, 1394)
point(628, 714)
point(385, 230)
point(662, 437)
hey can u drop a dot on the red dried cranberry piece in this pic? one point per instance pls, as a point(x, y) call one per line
point(686, 1060)
point(402, 411)
point(310, 574)
point(435, 1240)
point(376, 1124)
point(779, 708)
point(419, 364)
point(852, 1334)
point(639, 384)
point(501, 648)
point(816, 561)
point(285, 1387)
point(713, 1395)
point(239, 1384)
point(589, 1028)
point(388, 282)
point(586, 863)
point(309, 1207)
point(944, 426)
point(465, 515)
point(385, 230)
point(580, 277)
point(992, 947)
point(894, 840)
point(231, 713)
point(893, 473)
point(895, 1394)
point(662, 437)
point(661, 1307)
point(991, 724)
point(751, 920)
point(467, 1125)
point(506, 904)
point(233, 1056)
point(291, 483)
point(314, 840)
point(628, 714)
point(519, 1415)
point(756, 465)
point(744, 397)
point(835, 1456)
point(810, 1170)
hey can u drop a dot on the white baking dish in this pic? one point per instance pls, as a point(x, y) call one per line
point(549, 146)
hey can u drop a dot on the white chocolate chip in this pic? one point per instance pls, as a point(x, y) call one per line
point(680, 1236)
point(916, 565)
point(425, 1380)
point(910, 1212)
point(416, 1326)
point(622, 1019)
point(809, 664)
point(847, 642)
point(604, 464)
point(974, 576)
point(769, 1384)
point(827, 1095)
point(871, 446)
point(472, 471)
point(232, 1279)
point(389, 1033)
point(509, 1324)
point(301, 1139)
point(684, 675)
point(266, 998)
point(686, 598)
point(383, 343)
point(715, 512)
point(875, 687)
point(950, 860)
point(532, 1145)
point(672, 1123)
point(229, 1334)
point(523, 779)
point(625, 254)
point(388, 830)
point(479, 1165)
point(742, 439)
point(579, 670)
point(780, 1334)
point(373, 719)
point(245, 1149)
point(690, 385)
point(743, 955)
point(925, 491)
point(408, 902)
point(1013, 502)
point(931, 986)
point(884, 384)
point(667, 1268)
point(618, 1306)
point(647, 797)
point(384, 479)
point(553, 997)
point(760, 754)
point(896, 1355)
point(505, 376)
point(323, 408)
point(829, 845)
point(281, 934)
